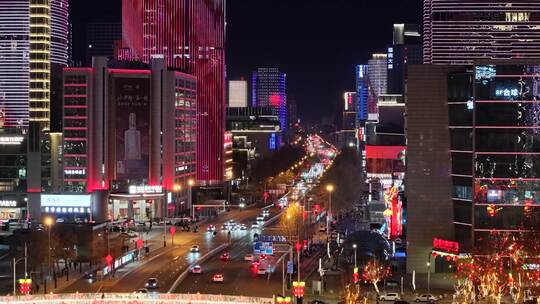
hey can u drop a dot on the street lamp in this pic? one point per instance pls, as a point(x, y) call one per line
point(190, 183)
point(48, 221)
point(330, 189)
point(354, 247)
point(428, 275)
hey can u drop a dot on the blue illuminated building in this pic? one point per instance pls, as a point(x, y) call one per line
point(362, 92)
point(269, 90)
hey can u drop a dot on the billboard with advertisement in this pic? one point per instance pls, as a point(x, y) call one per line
point(132, 120)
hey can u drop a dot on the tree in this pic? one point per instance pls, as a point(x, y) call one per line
point(375, 272)
point(353, 295)
point(464, 292)
point(292, 223)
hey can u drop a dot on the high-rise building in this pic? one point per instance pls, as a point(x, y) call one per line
point(377, 67)
point(33, 35)
point(473, 127)
point(129, 133)
point(459, 32)
point(362, 92)
point(405, 50)
point(238, 94)
point(269, 90)
point(100, 39)
point(190, 35)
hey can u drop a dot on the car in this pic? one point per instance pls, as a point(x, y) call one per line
point(217, 278)
point(91, 276)
point(225, 227)
point(195, 248)
point(243, 227)
point(225, 257)
point(211, 228)
point(261, 271)
point(425, 298)
point(263, 256)
point(141, 290)
point(391, 296)
point(152, 283)
point(255, 263)
point(197, 269)
point(255, 225)
point(249, 257)
point(260, 219)
point(317, 302)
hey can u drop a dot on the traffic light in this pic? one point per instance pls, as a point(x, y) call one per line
point(356, 275)
point(298, 289)
point(25, 286)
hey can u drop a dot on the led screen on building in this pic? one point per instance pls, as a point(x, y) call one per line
point(132, 121)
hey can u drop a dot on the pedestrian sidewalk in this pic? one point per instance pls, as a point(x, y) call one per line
point(154, 241)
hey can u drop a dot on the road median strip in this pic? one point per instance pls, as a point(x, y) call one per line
point(200, 260)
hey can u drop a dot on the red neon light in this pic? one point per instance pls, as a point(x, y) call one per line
point(384, 152)
point(74, 69)
point(33, 190)
point(128, 71)
point(445, 245)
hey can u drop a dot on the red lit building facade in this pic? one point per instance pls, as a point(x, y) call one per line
point(190, 34)
point(129, 139)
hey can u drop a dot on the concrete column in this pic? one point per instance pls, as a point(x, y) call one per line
point(130, 210)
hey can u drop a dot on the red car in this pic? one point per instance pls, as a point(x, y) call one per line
point(225, 257)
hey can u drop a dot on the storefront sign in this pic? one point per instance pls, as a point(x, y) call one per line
point(445, 245)
point(145, 189)
point(11, 140)
point(8, 204)
point(63, 200)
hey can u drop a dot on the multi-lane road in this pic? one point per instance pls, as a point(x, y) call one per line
point(167, 264)
point(171, 261)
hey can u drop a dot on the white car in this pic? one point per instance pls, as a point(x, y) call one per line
point(195, 248)
point(217, 278)
point(255, 225)
point(425, 298)
point(389, 297)
point(261, 271)
point(197, 269)
point(249, 257)
point(260, 219)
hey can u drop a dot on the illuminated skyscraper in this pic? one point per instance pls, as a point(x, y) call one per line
point(269, 90)
point(190, 34)
point(33, 35)
point(238, 93)
point(460, 31)
point(377, 73)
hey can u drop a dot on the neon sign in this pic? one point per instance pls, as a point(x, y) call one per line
point(145, 189)
point(445, 245)
point(507, 92)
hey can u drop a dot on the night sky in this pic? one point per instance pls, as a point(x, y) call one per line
point(316, 42)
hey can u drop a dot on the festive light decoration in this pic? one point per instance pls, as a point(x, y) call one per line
point(374, 272)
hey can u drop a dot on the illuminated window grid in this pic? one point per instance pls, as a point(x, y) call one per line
point(75, 122)
point(40, 64)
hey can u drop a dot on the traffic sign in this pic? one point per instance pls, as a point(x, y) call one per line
point(263, 248)
point(290, 267)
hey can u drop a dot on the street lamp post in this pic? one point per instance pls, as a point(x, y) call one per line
point(330, 189)
point(48, 221)
point(15, 261)
point(428, 276)
point(190, 203)
point(354, 247)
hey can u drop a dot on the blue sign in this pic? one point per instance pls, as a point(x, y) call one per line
point(290, 267)
point(263, 248)
point(271, 238)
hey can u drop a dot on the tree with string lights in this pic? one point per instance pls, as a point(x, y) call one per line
point(375, 272)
